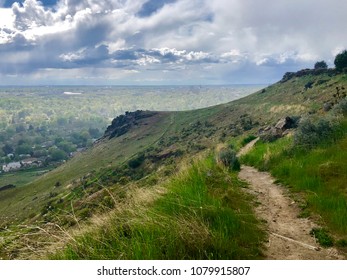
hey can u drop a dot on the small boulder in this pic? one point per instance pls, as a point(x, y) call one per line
point(270, 134)
point(285, 123)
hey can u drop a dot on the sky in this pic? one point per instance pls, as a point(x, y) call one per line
point(166, 42)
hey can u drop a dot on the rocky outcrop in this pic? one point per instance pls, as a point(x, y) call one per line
point(271, 133)
point(123, 123)
point(315, 72)
point(285, 123)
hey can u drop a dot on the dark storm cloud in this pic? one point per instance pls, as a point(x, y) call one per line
point(134, 57)
point(125, 55)
point(86, 42)
point(87, 56)
point(92, 31)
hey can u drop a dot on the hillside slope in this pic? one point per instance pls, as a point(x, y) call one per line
point(144, 149)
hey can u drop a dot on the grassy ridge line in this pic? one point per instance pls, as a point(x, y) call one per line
point(203, 215)
point(319, 175)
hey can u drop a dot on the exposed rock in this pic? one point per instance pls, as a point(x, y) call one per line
point(282, 128)
point(287, 132)
point(270, 134)
point(289, 75)
point(123, 123)
point(285, 123)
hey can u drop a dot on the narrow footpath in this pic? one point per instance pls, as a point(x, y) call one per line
point(288, 236)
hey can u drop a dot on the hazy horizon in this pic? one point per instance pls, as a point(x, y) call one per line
point(133, 85)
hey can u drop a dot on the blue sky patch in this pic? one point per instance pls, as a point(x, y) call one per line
point(8, 3)
point(152, 6)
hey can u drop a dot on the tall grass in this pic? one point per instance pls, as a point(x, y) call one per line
point(204, 215)
point(319, 173)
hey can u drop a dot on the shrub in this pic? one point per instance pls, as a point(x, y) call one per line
point(321, 65)
point(57, 154)
point(308, 85)
point(311, 133)
point(341, 108)
point(108, 202)
point(84, 213)
point(342, 243)
point(137, 161)
point(323, 238)
point(229, 159)
point(246, 122)
point(341, 60)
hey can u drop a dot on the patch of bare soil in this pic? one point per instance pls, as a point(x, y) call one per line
point(247, 147)
point(289, 236)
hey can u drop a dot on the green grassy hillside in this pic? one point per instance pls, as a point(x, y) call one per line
point(105, 177)
point(316, 175)
point(202, 215)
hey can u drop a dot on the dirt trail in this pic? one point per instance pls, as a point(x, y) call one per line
point(289, 236)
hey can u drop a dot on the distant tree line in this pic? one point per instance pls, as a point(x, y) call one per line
point(340, 62)
point(319, 68)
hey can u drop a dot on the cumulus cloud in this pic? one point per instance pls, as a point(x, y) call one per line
point(217, 41)
point(164, 58)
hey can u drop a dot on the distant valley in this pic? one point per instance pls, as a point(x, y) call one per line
point(41, 127)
